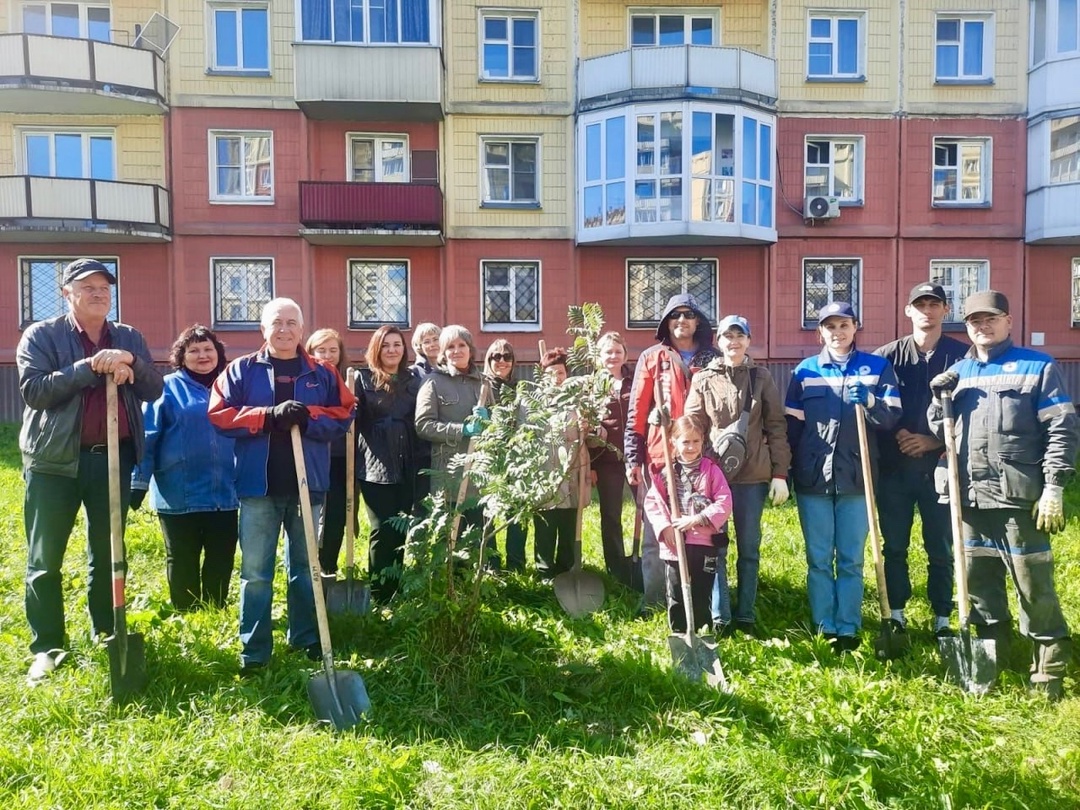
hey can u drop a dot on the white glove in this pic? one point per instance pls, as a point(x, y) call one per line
point(1049, 512)
point(778, 491)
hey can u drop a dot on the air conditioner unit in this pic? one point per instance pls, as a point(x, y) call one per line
point(819, 207)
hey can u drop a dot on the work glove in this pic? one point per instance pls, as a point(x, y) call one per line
point(288, 413)
point(659, 416)
point(1049, 512)
point(778, 491)
point(136, 499)
point(945, 381)
point(477, 421)
point(859, 394)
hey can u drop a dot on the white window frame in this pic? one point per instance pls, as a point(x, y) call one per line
point(509, 15)
point(61, 261)
point(834, 16)
point(811, 324)
point(858, 142)
point(1070, 153)
point(239, 199)
point(85, 133)
point(485, 199)
point(988, 48)
point(1044, 45)
point(513, 325)
point(215, 302)
point(986, 166)
point(1075, 318)
point(84, 23)
point(354, 324)
point(955, 292)
point(688, 13)
point(687, 262)
point(377, 168)
point(211, 37)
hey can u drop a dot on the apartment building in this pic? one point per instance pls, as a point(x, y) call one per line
point(398, 161)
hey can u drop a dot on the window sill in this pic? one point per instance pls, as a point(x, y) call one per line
point(240, 201)
point(947, 205)
point(509, 80)
point(521, 206)
point(848, 203)
point(836, 79)
point(343, 44)
point(510, 327)
point(946, 82)
point(365, 326)
point(238, 74)
point(230, 326)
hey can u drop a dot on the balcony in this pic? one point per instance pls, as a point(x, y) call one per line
point(1053, 86)
point(62, 75)
point(1051, 215)
point(60, 209)
point(368, 82)
point(675, 72)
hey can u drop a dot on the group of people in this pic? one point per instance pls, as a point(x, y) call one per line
point(212, 442)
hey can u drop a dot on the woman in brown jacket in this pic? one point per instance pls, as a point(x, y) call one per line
point(718, 396)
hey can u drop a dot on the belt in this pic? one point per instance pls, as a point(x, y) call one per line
point(100, 449)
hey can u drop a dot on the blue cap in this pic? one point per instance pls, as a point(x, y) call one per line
point(837, 309)
point(737, 321)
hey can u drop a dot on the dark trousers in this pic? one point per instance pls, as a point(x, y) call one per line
point(553, 540)
point(898, 493)
point(386, 542)
point(610, 485)
point(701, 560)
point(208, 538)
point(50, 506)
point(332, 525)
point(516, 535)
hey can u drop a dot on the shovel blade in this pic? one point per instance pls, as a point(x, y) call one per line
point(890, 644)
point(970, 663)
point(341, 702)
point(579, 592)
point(127, 665)
point(348, 596)
point(697, 659)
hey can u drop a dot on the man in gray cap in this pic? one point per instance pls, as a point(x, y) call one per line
point(1017, 435)
point(63, 363)
point(909, 456)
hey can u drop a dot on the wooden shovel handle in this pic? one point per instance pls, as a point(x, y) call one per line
point(956, 518)
point(312, 549)
point(116, 518)
point(871, 512)
point(350, 481)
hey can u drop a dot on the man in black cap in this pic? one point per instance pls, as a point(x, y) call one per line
point(1017, 437)
point(63, 363)
point(909, 456)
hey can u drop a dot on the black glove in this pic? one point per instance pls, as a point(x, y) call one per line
point(945, 381)
point(136, 499)
point(289, 413)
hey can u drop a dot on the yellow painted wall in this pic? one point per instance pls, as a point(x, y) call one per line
point(139, 141)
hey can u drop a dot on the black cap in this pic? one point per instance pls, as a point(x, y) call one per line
point(986, 302)
point(837, 309)
point(81, 268)
point(927, 290)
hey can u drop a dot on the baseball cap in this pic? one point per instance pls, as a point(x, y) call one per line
point(736, 321)
point(986, 302)
point(81, 268)
point(837, 309)
point(927, 290)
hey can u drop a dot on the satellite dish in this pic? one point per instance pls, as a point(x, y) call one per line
point(157, 35)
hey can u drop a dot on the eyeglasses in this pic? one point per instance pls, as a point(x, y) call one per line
point(984, 323)
point(685, 314)
point(502, 358)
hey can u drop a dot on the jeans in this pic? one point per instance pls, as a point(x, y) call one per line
point(261, 519)
point(210, 536)
point(386, 542)
point(652, 567)
point(834, 528)
point(747, 505)
point(898, 493)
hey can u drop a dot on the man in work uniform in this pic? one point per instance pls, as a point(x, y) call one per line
point(1017, 439)
point(909, 456)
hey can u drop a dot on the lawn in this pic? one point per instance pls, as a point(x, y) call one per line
point(530, 710)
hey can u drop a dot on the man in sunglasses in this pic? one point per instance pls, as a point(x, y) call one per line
point(685, 341)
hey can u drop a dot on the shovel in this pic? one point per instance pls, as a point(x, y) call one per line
point(580, 592)
point(338, 697)
point(970, 663)
point(634, 578)
point(127, 652)
point(691, 655)
point(889, 644)
point(351, 595)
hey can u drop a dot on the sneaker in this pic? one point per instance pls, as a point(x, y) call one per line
point(313, 652)
point(1053, 690)
point(846, 644)
point(724, 629)
point(897, 627)
point(746, 627)
point(251, 668)
point(944, 632)
point(941, 627)
point(41, 668)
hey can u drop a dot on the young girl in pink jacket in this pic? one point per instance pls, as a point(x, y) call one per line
point(704, 504)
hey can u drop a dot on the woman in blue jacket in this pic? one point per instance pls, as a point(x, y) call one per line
point(826, 469)
point(188, 468)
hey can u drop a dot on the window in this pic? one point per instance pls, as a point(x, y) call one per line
point(241, 40)
point(241, 167)
point(964, 49)
point(658, 184)
point(649, 285)
point(511, 294)
point(960, 278)
point(508, 46)
point(67, 20)
point(365, 21)
point(834, 168)
point(1068, 26)
point(828, 280)
point(378, 293)
point(1076, 292)
point(242, 287)
point(605, 173)
point(757, 187)
point(378, 158)
point(510, 171)
point(40, 282)
point(834, 49)
point(666, 28)
point(1065, 149)
point(1055, 29)
point(961, 171)
point(712, 163)
point(89, 155)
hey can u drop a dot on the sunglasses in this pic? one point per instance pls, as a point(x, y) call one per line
point(501, 358)
point(685, 314)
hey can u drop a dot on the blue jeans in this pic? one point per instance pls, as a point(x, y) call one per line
point(747, 505)
point(834, 528)
point(261, 520)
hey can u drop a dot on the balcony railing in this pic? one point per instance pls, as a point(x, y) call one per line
point(43, 74)
point(1051, 214)
point(34, 207)
point(700, 71)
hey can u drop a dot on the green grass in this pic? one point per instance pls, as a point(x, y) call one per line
point(529, 710)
